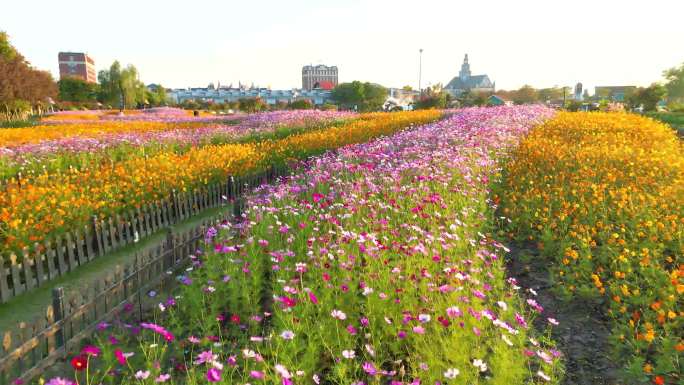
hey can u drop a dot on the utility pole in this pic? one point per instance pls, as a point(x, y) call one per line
point(420, 70)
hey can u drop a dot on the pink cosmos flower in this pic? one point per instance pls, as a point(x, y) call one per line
point(140, 375)
point(162, 378)
point(312, 298)
point(91, 350)
point(369, 368)
point(520, 320)
point(59, 381)
point(206, 356)
point(454, 312)
point(120, 356)
point(213, 375)
point(257, 374)
point(232, 360)
point(159, 330)
point(339, 314)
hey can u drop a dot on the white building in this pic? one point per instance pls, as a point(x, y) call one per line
point(230, 94)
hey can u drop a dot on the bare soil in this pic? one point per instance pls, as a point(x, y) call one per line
point(583, 332)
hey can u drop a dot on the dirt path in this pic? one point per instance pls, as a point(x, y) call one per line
point(583, 332)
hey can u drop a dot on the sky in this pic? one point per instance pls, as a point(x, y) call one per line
point(266, 42)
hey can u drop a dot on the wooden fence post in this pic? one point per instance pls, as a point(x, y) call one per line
point(98, 237)
point(170, 259)
point(58, 309)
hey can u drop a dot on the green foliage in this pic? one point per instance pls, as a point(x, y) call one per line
point(251, 104)
point(22, 88)
point(648, 97)
point(19, 123)
point(301, 104)
point(72, 89)
point(553, 93)
point(360, 96)
point(573, 105)
point(121, 87)
point(6, 50)
point(156, 96)
point(432, 100)
point(470, 99)
point(526, 95)
point(675, 83)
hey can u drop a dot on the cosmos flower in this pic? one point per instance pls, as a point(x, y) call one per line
point(287, 334)
point(213, 374)
point(451, 373)
point(142, 375)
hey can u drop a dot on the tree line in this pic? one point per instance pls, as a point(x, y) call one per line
point(24, 90)
point(117, 87)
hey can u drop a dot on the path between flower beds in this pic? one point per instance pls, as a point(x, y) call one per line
point(29, 306)
point(583, 333)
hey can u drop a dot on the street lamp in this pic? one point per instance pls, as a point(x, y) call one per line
point(420, 70)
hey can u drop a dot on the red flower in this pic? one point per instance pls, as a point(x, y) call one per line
point(658, 380)
point(79, 362)
point(235, 319)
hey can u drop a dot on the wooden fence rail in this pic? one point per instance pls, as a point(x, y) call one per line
point(35, 347)
point(46, 261)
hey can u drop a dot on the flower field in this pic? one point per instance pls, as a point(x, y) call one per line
point(375, 261)
point(349, 273)
point(603, 196)
point(41, 205)
point(55, 147)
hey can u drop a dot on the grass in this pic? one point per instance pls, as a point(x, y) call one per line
point(29, 306)
point(19, 123)
point(674, 119)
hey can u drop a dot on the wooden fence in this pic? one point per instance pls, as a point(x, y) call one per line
point(45, 261)
point(37, 346)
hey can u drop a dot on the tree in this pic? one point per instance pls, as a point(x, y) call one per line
point(648, 97)
point(301, 104)
point(360, 96)
point(675, 83)
point(251, 104)
point(407, 88)
point(23, 89)
point(548, 94)
point(121, 87)
point(72, 89)
point(7, 51)
point(526, 95)
point(434, 97)
point(155, 95)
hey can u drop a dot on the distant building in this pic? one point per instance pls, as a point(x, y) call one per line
point(319, 77)
point(400, 99)
point(495, 100)
point(614, 93)
point(77, 65)
point(578, 92)
point(230, 94)
point(467, 82)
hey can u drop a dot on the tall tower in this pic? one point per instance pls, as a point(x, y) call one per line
point(465, 69)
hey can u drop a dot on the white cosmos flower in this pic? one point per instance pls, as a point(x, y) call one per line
point(451, 373)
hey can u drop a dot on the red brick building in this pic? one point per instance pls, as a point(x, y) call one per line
point(77, 64)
